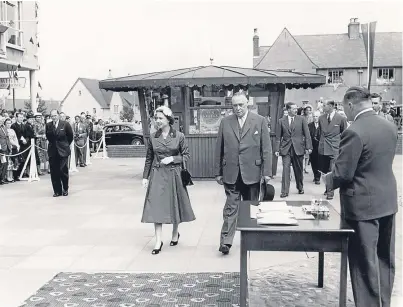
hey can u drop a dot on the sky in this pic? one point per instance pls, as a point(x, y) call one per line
point(87, 38)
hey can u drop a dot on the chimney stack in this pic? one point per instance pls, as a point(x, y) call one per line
point(354, 29)
point(255, 43)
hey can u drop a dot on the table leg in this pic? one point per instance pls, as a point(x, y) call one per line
point(321, 265)
point(343, 273)
point(243, 273)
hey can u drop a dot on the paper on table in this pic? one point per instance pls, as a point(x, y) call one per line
point(277, 218)
point(273, 206)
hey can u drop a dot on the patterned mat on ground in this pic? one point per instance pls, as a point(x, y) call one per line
point(130, 290)
point(286, 285)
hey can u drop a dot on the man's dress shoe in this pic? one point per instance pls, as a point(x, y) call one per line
point(224, 248)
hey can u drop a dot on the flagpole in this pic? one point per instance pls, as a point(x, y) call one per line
point(368, 85)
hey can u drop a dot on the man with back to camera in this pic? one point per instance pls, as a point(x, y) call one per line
point(242, 161)
point(293, 140)
point(368, 198)
point(60, 135)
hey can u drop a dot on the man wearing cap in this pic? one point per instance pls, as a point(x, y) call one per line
point(332, 125)
point(242, 161)
point(368, 197)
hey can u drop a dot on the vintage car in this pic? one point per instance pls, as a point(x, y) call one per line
point(123, 134)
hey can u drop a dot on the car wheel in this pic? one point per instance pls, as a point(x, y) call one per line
point(137, 142)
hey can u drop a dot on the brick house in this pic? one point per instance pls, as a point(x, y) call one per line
point(340, 57)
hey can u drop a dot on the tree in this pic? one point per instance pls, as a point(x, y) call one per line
point(42, 108)
point(127, 113)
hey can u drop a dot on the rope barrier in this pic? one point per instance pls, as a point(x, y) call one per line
point(20, 153)
point(96, 140)
point(80, 146)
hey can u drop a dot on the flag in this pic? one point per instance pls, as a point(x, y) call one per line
point(39, 85)
point(31, 40)
point(368, 34)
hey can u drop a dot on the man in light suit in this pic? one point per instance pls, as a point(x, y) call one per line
point(332, 125)
point(242, 160)
point(293, 140)
point(368, 197)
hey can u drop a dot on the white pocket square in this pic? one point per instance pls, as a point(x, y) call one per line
point(61, 129)
point(256, 132)
point(336, 125)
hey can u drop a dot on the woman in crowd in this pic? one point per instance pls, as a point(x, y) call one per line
point(40, 142)
point(309, 119)
point(13, 162)
point(167, 199)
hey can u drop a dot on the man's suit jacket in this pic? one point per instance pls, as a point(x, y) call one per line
point(330, 134)
point(80, 133)
point(20, 132)
point(298, 136)
point(363, 169)
point(59, 138)
point(249, 153)
point(5, 144)
point(29, 133)
point(315, 135)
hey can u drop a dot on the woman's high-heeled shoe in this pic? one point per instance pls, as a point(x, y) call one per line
point(174, 243)
point(157, 251)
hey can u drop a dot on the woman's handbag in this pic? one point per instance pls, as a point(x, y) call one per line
point(185, 176)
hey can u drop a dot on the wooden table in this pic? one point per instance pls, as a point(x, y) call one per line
point(309, 236)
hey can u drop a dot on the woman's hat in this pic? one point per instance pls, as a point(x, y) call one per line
point(38, 114)
point(267, 191)
point(30, 115)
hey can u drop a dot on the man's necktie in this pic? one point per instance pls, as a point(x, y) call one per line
point(328, 119)
point(292, 123)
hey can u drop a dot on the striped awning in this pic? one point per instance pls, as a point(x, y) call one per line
point(210, 75)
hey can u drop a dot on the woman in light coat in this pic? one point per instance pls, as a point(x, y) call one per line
point(167, 199)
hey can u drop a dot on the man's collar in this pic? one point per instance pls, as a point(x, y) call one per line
point(245, 115)
point(362, 112)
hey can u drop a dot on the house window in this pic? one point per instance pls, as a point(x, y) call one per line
point(335, 76)
point(386, 74)
point(94, 111)
point(79, 93)
point(116, 109)
point(11, 12)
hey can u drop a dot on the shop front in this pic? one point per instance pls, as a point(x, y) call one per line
point(201, 96)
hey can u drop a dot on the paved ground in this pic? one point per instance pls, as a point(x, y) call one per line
point(97, 229)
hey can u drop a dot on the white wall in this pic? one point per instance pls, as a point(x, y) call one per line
point(75, 103)
point(116, 100)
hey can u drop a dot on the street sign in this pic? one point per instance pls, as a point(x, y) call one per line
point(12, 82)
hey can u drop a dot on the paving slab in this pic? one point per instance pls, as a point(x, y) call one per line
point(98, 229)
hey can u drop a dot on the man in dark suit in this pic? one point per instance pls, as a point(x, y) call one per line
point(332, 125)
point(368, 197)
point(314, 131)
point(242, 160)
point(60, 136)
point(19, 128)
point(292, 142)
